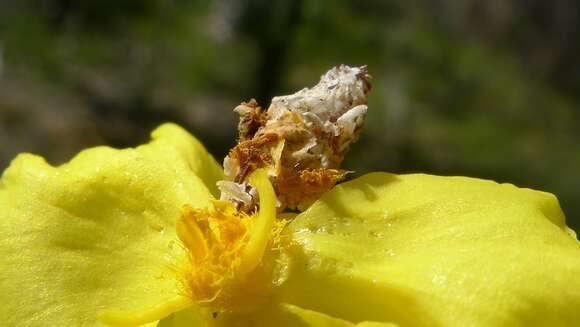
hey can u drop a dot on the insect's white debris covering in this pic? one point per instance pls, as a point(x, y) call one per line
point(339, 90)
point(333, 110)
point(233, 192)
point(313, 127)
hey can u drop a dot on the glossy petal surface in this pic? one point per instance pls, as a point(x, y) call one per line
point(97, 233)
point(421, 250)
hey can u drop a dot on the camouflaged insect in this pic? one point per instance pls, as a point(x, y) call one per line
point(301, 139)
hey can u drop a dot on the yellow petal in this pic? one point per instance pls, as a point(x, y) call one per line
point(273, 314)
point(318, 319)
point(191, 317)
point(375, 324)
point(175, 145)
point(421, 250)
point(98, 233)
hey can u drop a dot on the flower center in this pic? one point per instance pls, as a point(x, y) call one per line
point(226, 249)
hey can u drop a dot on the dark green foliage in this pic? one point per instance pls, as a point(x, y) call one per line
point(482, 88)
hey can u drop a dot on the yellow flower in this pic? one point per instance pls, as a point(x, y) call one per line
point(136, 236)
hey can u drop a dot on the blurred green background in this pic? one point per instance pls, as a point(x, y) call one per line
point(485, 88)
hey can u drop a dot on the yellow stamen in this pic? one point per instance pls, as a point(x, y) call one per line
point(191, 235)
point(226, 246)
point(259, 239)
